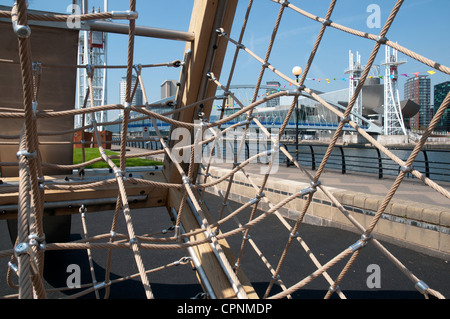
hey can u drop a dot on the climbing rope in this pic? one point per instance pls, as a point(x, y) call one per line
point(26, 258)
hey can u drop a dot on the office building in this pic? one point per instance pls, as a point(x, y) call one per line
point(271, 87)
point(138, 97)
point(440, 92)
point(168, 88)
point(418, 89)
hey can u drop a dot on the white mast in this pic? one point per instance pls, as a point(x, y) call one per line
point(92, 48)
point(393, 118)
point(355, 71)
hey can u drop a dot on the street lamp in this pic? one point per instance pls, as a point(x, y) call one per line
point(296, 70)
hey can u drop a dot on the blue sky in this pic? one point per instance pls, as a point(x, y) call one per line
point(421, 25)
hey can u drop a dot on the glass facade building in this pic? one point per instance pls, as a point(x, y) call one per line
point(418, 89)
point(138, 97)
point(440, 92)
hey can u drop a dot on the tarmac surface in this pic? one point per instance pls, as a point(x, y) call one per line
point(180, 282)
point(410, 189)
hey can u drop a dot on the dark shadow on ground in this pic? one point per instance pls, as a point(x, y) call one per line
point(260, 288)
point(56, 275)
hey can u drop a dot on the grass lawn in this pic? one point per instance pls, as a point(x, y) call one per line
point(92, 153)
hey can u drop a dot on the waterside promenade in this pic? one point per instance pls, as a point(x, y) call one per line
point(418, 217)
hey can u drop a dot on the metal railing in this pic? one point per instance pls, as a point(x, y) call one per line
point(435, 163)
point(139, 142)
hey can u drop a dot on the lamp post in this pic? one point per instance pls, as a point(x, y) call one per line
point(296, 71)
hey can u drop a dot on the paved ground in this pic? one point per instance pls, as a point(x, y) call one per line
point(410, 189)
point(180, 281)
point(325, 243)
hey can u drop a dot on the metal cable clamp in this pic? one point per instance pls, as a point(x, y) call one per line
point(37, 68)
point(361, 243)
point(37, 241)
point(307, 191)
point(22, 31)
point(201, 295)
point(182, 261)
point(90, 70)
point(421, 287)
point(34, 106)
point(178, 233)
point(126, 15)
point(345, 120)
point(133, 241)
point(406, 169)
point(294, 235)
point(254, 201)
point(21, 249)
point(221, 32)
point(138, 68)
point(186, 180)
point(127, 106)
point(331, 289)
point(26, 154)
point(382, 40)
point(119, 173)
point(82, 210)
point(210, 76)
point(169, 229)
point(300, 88)
point(13, 267)
point(314, 185)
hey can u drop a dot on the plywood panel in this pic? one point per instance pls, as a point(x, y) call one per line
point(57, 90)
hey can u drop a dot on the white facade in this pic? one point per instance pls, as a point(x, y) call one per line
point(137, 99)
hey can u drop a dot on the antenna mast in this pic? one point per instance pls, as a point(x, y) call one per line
point(393, 118)
point(92, 51)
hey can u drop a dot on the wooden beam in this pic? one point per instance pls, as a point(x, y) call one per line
point(212, 267)
point(64, 202)
point(207, 54)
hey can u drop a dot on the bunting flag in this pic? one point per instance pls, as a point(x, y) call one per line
point(328, 80)
point(416, 74)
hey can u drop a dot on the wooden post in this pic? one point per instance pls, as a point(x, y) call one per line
point(207, 53)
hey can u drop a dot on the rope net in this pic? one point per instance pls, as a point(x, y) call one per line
point(27, 255)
